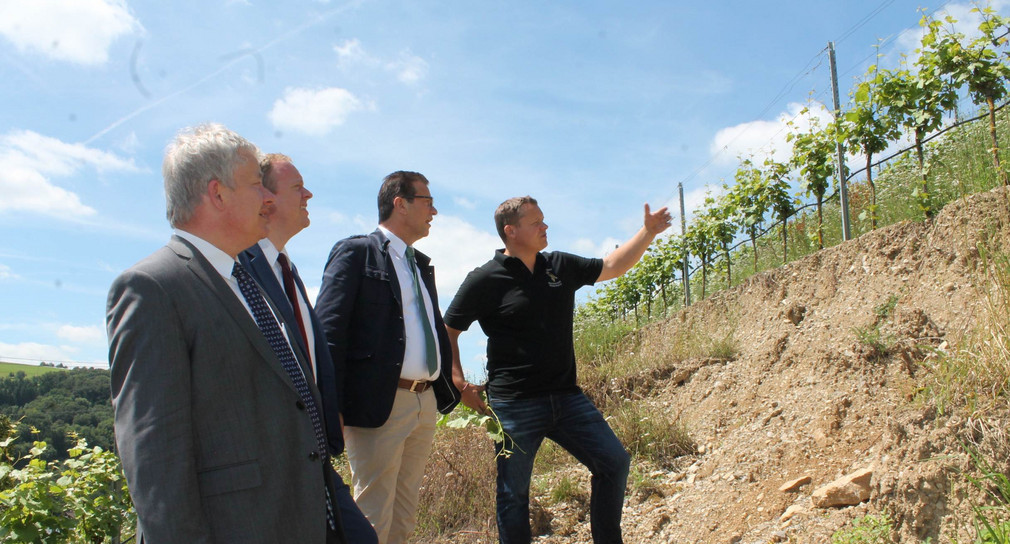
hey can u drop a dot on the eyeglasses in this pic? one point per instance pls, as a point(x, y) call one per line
point(431, 200)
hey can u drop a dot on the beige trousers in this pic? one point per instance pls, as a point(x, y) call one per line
point(387, 464)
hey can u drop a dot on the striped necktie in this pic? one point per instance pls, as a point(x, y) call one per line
point(430, 357)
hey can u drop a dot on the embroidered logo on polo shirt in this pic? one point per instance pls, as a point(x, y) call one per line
point(552, 280)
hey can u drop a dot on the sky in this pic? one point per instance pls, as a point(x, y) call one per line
point(593, 107)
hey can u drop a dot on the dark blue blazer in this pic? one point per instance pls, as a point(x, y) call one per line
point(360, 309)
point(256, 263)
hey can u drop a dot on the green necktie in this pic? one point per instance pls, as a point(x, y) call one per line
point(429, 337)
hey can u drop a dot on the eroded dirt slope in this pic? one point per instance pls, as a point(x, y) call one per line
point(810, 394)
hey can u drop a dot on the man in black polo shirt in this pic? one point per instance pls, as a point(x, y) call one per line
point(524, 300)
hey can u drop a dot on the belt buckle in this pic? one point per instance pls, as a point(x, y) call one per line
point(417, 386)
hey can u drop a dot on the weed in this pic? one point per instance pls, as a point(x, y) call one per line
point(977, 373)
point(649, 434)
point(885, 310)
point(458, 490)
point(566, 490)
point(877, 343)
point(641, 483)
point(865, 530)
point(992, 516)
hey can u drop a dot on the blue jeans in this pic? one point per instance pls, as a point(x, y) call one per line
point(576, 425)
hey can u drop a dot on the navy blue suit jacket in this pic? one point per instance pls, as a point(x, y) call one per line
point(360, 309)
point(256, 263)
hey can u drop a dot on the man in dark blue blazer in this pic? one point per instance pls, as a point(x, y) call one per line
point(379, 310)
point(268, 263)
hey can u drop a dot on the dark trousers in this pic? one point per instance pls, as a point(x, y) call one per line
point(576, 425)
point(357, 529)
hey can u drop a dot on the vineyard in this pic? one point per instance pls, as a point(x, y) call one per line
point(873, 353)
point(758, 222)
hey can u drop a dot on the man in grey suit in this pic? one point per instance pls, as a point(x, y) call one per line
point(218, 421)
point(270, 265)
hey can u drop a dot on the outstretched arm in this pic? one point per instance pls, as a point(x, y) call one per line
point(630, 252)
point(469, 392)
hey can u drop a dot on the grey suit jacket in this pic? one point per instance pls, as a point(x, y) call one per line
point(214, 440)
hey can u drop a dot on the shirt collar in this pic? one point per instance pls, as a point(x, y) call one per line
point(509, 261)
point(270, 251)
point(221, 261)
point(398, 245)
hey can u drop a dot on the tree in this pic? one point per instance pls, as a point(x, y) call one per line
point(701, 243)
point(749, 200)
point(782, 204)
point(974, 64)
point(720, 213)
point(812, 156)
point(918, 101)
point(866, 127)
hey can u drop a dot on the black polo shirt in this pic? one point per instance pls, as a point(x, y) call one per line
point(527, 318)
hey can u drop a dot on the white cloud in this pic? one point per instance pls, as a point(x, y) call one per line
point(6, 274)
point(909, 40)
point(589, 248)
point(31, 159)
point(409, 68)
point(78, 31)
point(89, 334)
point(37, 352)
point(351, 52)
point(336, 217)
point(313, 293)
point(464, 203)
point(314, 112)
point(364, 224)
point(761, 139)
point(456, 247)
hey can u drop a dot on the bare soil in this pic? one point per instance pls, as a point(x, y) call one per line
point(831, 375)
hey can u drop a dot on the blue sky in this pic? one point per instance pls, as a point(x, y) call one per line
point(593, 107)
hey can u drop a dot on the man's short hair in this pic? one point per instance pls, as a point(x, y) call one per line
point(267, 164)
point(398, 184)
point(197, 156)
point(509, 212)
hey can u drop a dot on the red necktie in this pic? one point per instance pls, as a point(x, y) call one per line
point(292, 292)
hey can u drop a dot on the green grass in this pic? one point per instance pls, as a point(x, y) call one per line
point(12, 369)
point(865, 530)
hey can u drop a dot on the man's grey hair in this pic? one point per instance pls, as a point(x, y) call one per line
point(197, 156)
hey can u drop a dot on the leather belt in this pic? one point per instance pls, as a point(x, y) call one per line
point(414, 386)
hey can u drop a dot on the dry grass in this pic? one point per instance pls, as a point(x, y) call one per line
point(457, 502)
point(651, 434)
point(976, 373)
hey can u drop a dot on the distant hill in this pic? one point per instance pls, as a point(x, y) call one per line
point(48, 404)
point(11, 369)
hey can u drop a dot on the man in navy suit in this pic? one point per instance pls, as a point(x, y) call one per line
point(268, 263)
point(379, 310)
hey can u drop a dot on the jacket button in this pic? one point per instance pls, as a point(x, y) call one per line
point(300, 405)
point(401, 340)
point(313, 456)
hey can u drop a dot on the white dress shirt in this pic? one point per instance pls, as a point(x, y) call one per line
point(223, 263)
point(414, 365)
point(271, 253)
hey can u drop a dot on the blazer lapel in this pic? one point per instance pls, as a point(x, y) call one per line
point(203, 270)
point(382, 243)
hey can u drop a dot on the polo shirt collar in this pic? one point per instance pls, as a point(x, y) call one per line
point(509, 262)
